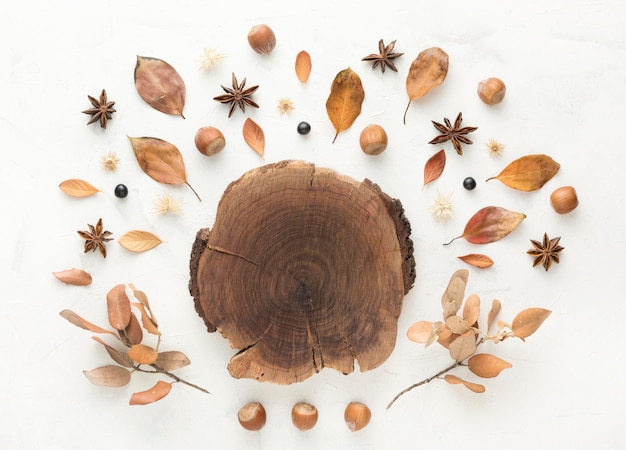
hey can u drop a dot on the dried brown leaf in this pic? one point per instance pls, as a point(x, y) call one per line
point(118, 307)
point(119, 357)
point(471, 310)
point(143, 299)
point(75, 277)
point(303, 66)
point(160, 160)
point(254, 136)
point(474, 387)
point(111, 376)
point(75, 319)
point(490, 224)
point(457, 325)
point(487, 366)
point(493, 313)
point(452, 298)
point(78, 188)
point(139, 241)
point(477, 260)
point(154, 394)
point(146, 320)
point(143, 354)
point(132, 334)
point(463, 347)
point(172, 360)
point(446, 336)
point(528, 173)
point(427, 71)
point(528, 321)
point(434, 166)
point(343, 105)
point(160, 85)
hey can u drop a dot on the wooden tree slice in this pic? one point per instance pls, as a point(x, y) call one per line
point(303, 269)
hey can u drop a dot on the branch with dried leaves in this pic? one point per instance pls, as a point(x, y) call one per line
point(130, 333)
point(461, 334)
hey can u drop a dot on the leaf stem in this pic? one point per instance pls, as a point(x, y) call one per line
point(424, 381)
point(194, 191)
point(176, 378)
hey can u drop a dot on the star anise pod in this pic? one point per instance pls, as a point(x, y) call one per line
point(102, 109)
point(95, 238)
point(546, 252)
point(384, 56)
point(237, 96)
point(455, 134)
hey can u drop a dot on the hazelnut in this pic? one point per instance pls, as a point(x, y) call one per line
point(357, 415)
point(209, 141)
point(262, 39)
point(252, 416)
point(491, 90)
point(304, 416)
point(564, 199)
point(373, 140)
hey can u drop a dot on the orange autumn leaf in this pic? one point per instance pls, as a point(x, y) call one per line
point(119, 357)
point(160, 160)
point(303, 66)
point(118, 307)
point(143, 354)
point(78, 188)
point(139, 241)
point(487, 366)
point(528, 173)
point(146, 312)
point(528, 321)
point(254, 136)
point(75, 277)
point(160, 85)
point(477, 260)
point(154, 394)
point(77, 320)
point(146, 320)
point(490, 224)
point(434, 166)
point(343, 105)
point(493, 313)
point(427, 71)
point(111, 376)
point(474, 387)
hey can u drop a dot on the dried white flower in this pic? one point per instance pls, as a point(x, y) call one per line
point(166, 203)
point(285, 106)
point(442, 208)
point(110, 161)
point(209, 58)
point(495, 148)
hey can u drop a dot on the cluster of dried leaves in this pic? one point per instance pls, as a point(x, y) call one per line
point(136, 354)
point(461, 334)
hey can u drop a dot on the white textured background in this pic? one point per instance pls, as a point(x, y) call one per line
point(564, 63)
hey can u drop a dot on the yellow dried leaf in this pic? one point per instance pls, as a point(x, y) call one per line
point(457, 325)
point(172, 360)
point(343, 105)
point(112, 376)
point(160, 85)
point(155, 393)
point(463, 346)
point(78, 188)
point(477, 260)
point(471, 310)
point(493, 313)
point(427, 71)
point(528, 173)
point(139, 241)
point(75, 277)
point(453, 379)
point(303, 66)
point(119, 357)
point(487, 366)
point(75, 319)
point(528, 321)
point(142, 354)
point(254, 136)
point(118, 307)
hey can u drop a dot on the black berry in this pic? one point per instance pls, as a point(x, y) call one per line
point(304, 128)
point(121, 191)
point(469, 183)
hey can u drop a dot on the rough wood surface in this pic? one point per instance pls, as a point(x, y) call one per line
point(303, 269)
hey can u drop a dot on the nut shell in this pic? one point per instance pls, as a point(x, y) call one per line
point(262, 39)
point(357, 415)
point(209, 141)
point(491, 91)
point(564, 199)
point(304, 416)
point(373, 140)
point(252, 416)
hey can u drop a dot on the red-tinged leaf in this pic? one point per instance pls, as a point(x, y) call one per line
point(154, 394)
point(172, 360)
point(160, 160)
point(487, 366)
point(111, 376)
point(477, 260)
point(453, 379)
point(434, 166)
point(303, 66)
point(528, 321)
point(132, 334)
point(463, 347)
point(457, 325)
point(74, 277)
point(343, 105)
point(118, 307)
point(254, 136)
point(143, 354)
point(493, 313)
point(471, 310)
point(452, 298)
point(528, 173)
point(75, 319)
point(78, 188)
point(160, 85)
point(490, 224)
point(119, 357)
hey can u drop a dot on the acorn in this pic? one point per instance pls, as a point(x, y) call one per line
point(304, 416)
point(209, 141)
point(262, 39)
point(357, 415)
point(252, 416)
point(491, 91)
point(373, 140)
point(564, 199)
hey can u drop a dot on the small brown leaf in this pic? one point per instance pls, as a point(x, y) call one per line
point(160, 85)
point(528, 173)
point(463, 347)
point(343, 105)
point(111, 376)
point(75, 319)
point(303, 66)
point(142, 354)
point(446, 336)
point(453, 379)
point(457, 325)
point(434, 167)
point(528, 321)
point(493, 313)
point(172, 360)
point(452, 298)
point(254, 136)
point(75, 277)
point(119, 357)
point(160, 160)
point(427, 71)
point(154, 394)
point(78, 188)
point(139, 241)
point(146, 320)
point(118, 307)
point(143, 299)
point(490, 224)
point(471, 310)
point(487, 366)
point(477, 260)
point(132, 334)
